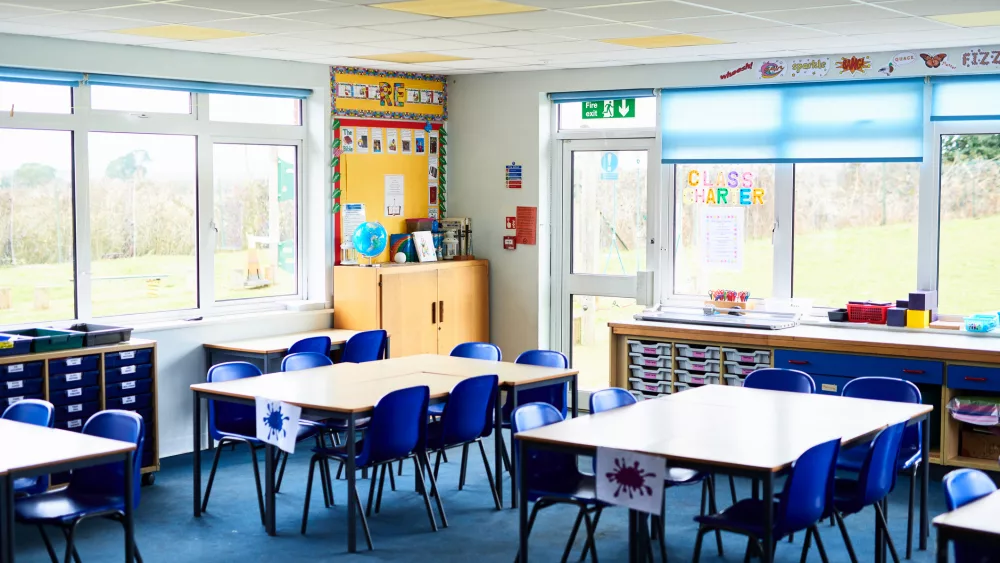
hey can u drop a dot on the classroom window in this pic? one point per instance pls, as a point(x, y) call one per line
point(970, 224)
point(36, 226)
point(117, 98)
point(724, 219)
point(142, 223)
point(571, 116)
point(255, 109)
point(855, 232)
point(255, 218)
point(18, 97)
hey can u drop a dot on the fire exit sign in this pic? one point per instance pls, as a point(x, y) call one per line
point(609, 109)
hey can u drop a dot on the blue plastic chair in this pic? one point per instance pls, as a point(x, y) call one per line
point(616, 397)
point(800, 505)
point(231, 423)
point(314, 344)
point(461, 424)
point(901, 391)
point(304, 360)
point(780, 379)
point(474, 351)
point(398, 430)
point(97, 491)
point(961, 487)
point(366, 346)
point(294, 362)
point(875, 480)
point(39, 413)
point(553, 478)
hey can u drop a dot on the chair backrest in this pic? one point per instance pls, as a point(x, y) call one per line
point(963, 486)
point(314, 344)
point(469, 404)
point(366, 346)
point(230, 417)
point(304, 360)
point(889, 389)
point(478, 351)
point(547, 471)
point(31, 411)
point(610, 398)
point(109, 479)
point(878, 472)
point(808, 488)
point(398, 425)
point(554, 394)
point(780, 379)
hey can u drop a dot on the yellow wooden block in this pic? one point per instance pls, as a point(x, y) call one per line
point(918, 319)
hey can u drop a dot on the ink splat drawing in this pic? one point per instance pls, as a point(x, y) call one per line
point(277, 423)
point(630, 479)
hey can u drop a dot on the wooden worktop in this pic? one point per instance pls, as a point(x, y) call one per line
point(910, 343)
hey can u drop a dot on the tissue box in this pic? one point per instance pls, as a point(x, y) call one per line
point(923, 300)
point(896, 316)
point(918, 319)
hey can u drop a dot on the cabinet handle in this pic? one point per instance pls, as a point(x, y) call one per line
point(441, 311)
point(798, 362)
point(980, 379)
point(914, 371)
point(433, 314)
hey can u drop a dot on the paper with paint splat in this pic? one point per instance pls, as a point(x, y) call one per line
point(630, 479)
point(278, 423)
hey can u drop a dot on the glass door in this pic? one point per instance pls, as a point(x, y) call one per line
point(606, 237)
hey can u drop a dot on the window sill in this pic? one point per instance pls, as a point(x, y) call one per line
point(258, 316)
point(819, 321)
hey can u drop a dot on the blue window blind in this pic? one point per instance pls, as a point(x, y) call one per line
point(963, 98)
point(868, 121)
point(569, 97)
point(50, 77)
point(196, 87)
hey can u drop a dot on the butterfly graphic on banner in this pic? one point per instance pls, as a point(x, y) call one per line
point(936, 61)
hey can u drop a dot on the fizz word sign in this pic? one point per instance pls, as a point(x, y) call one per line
point(726, 188)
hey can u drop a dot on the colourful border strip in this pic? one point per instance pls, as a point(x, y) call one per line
point(386, 114)
point(442, 172)
point(336, 151)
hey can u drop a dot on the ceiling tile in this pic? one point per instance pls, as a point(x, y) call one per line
point(537, 20)
point(659, 41)
point(331, 51)
point(8, 11)
point(973, 19)
point(455, 8)
point(351, 35)
point(201, 46)
point(421, 44)
point(711, 23)
point(485, 52)
point(356, 16)
point(165, 13)
point(412, 57)
point(260, 24)
point(478, 64)
point(939, 7)
point(881, 26)
point(268, 42)
point(278, 54)
point(438, 28)
point(647, 11)
point(569, 4)
point(73, 5)
point(83, 21)
point(20, 28)
point(510, 38)
point(834, 14)
point(181, 32)
point(607, 31)
point(119, 38)
point(259, 7)
point(771, 33)
point(573, 47)
point(743, 6)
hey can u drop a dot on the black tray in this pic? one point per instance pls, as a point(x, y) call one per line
point(102, 335)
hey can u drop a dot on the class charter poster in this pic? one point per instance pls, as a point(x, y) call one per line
point(721, 237)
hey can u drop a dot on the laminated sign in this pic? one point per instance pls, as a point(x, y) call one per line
point(278, 423)
point(630, 479)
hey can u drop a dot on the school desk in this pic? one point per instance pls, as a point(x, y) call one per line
point(30, 451)
point(266, 352)
point(978, 520)
point(721, 429)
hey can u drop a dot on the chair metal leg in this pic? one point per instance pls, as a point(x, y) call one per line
point(909, 512)
point(659, 522)
point(591, 530)
point(422, 489)
point(531, 522)
point(590, 541)
point(364, 521)
point(281, 472)
point(465, 463)
point(48, 545)
point(138, 556)
point(732, 488)
point(70, 532)
point(747, 552)
point(504, 455)
point(324, 479)
point(211, 477)
point(437, 463)
point(819, 544)
point(434, 490)
point(256, 481)
point(847, 538)
point(572, 533)
point(371, 493)
point(805, 545)
point(885, 531)
point(381, 485)
point(400, 472)
point(714, 508)
point(444, 455)
point(489, 475)
point(392, 478)
point(309, 482)
point(697, 544)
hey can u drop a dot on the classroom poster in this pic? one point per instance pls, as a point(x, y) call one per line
point(347, 139)
point(721, 237)
point(394, 190)
point(527, 224)
point(376, 140)
point(354, 215)
point(419, 142)
point(432, 191)
point(406, 142)
point(432, 212)
point(626, 478)
point(432, 143)
point(361, 144)
point(432, 171)
point(392, 140)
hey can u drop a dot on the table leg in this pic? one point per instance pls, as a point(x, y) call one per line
point(387, 340)
point(522, 491)
point(942, 545)
point(6, 519)
point(513, 468)
point(196, 453)
point(129, 502)
point(878, 540)
point(633, 545)
point(269, 504)
point(925, 479)
point(498, 445)
point(768, 501)
point(352, 505)
point(575, 396)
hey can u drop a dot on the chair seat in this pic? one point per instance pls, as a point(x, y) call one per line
point(63, 506)
point(852, 459)
point(846, 496)
point(585, 491)
point(745, 516)
point(437, 409)
point(677, 476)
point(304, 431)
point(339, 425)
point(29, 486)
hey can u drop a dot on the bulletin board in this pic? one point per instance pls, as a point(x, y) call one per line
point(372, 93)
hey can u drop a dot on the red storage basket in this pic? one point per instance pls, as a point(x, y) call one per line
point(872, 313)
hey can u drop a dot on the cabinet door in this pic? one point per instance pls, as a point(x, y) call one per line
point(463, 308)
point(409, 312)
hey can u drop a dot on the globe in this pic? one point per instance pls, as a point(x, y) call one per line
point(370, 239)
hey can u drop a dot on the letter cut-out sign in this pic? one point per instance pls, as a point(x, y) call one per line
point(630, 479)
point(278, 423)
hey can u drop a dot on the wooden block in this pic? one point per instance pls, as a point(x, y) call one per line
point(918, 319)
point(923, 300)
point(41, 297)
point(6, 299)
point(946, 325)
point(896, 316)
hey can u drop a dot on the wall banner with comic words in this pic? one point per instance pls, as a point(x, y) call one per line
point(381, 94)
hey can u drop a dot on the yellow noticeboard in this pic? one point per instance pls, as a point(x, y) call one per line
point(381, 94)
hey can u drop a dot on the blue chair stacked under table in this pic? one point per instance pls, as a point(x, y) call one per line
point(961, 487)
point(398, 430)
point(230, 423)
point(367, 346)
point(93, 491)
point(39, 413)
point(474, 351)
point(553, 478)
point(875, 481)
point(554, 394)
point(801, 504)
point(910, 453)
point(314, 344)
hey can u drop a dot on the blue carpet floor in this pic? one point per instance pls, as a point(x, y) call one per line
point(167, 532)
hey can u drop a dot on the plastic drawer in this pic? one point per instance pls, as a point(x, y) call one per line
point(643, 396)
point(649, 347)
point(637, 384)
point(76, 410)
point(697, 352)
point(974, 378)
point(851, 365)
point(8, 401)
point(743, 370)
point(131, 402)
point(132, 387)
point(12, 345)
point(678, 387)
point(128, 358)
point(78, 379)
point(127, 373)
point(649, 361)
point(19, 387)
point(662, 374)
point(698, 378)
point(74, 395)
point(747, 356)
point(73, 365)
point(49, 339)
point(26, 370)
point(102, 335)
point(703, 366)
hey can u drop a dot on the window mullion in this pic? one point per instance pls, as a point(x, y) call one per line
point(205, 209)
point(81, 195)
point(929, 202)
point(784, 211)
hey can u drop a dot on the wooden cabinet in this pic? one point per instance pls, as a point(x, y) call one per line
point(426, 308)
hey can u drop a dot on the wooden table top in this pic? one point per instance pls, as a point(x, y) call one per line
point(509, 373)
point(27, 447)
point(280, 343)
point(729, 426)
point(982, 516)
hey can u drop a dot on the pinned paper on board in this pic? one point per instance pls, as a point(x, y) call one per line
point(419, 143)
point(392, 141)
point(377, 140)
point(278, 423)
point(394, 189)
point(630, 479)
point(353, 216)
point(721, 237)
point(432, 143)
point(347, 139)
point(361, 144)
point(406, 141)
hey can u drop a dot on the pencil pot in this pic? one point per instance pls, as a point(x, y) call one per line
point(872, 313)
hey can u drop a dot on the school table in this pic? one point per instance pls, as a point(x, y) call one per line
point(722, 429)
point(30, 451)
point(978, 520)
point(267, 352)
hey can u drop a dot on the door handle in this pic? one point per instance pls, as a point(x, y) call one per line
point(798, 362)
point(433, 314)
point(441, 311)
